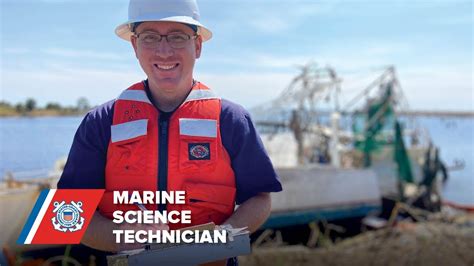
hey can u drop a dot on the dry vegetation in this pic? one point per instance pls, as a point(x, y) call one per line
point(440, 240)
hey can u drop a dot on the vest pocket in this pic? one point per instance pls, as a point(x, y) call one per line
point(209, 203)
point(129, 156)
point(197, 154)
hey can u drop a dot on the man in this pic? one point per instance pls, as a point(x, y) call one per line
point(170, 132)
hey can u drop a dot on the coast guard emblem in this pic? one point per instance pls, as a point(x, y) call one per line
point(68, 216)
point(199, 151)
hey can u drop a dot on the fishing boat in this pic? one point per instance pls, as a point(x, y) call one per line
point(333, 173)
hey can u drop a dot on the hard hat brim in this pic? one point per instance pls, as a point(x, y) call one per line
point(123, 30)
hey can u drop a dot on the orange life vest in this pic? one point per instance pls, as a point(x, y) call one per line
point(193, 158)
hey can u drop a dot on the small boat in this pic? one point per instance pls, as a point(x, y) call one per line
point(18, 194)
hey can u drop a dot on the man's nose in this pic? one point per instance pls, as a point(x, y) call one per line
point(164, 49)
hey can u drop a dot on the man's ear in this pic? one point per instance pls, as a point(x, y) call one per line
point(198, 46)
point(133, 40)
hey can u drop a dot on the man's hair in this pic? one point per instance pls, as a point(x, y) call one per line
point(133, 26)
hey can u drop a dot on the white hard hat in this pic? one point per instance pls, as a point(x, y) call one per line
point(182, 11)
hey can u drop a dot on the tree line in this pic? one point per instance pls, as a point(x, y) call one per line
point(30, 107)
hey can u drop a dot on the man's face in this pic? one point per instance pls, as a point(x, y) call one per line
point(169, 70)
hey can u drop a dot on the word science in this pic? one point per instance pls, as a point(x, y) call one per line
point(144, 216)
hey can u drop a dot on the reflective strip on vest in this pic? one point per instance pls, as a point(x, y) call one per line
point(134, 95)
point(129, 130)
point(198, 127)
point(201, 95)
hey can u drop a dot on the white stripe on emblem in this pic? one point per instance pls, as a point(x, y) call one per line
point(128, 130)
point(198, 127)
point(40, 216)
point(134, 95)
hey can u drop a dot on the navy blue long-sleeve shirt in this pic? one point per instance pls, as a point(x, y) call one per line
point(254, 173)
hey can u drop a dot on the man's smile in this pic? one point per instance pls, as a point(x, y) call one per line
point(166, 66)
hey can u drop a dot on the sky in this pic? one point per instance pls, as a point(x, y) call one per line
point(59, 50)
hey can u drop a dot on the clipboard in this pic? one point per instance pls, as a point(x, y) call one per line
point(238, 243)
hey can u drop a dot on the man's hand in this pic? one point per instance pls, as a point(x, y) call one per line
point(99, 233)
point(252, 213)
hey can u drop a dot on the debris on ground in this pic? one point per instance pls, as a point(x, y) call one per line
point(445, 238)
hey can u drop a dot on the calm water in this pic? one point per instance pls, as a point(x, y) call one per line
point(36, 143)
point(455, 137)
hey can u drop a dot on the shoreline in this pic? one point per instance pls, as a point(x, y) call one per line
point(62, 113)
point(41, 113)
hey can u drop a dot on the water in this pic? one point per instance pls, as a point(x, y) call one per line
point(36, 143)
point(455, 137)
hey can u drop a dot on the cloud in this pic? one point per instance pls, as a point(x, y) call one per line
point(442, 87)
point(16, 51)
point(274, 62)
point(83, 54)
point(426, 87)
point(425, 82)
point(271, 24)
point(67, 84)
point(275, 17)
point(247, 89)
point(269, 62)
point(346, 60)
point(56, 1)
point(452, 21)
